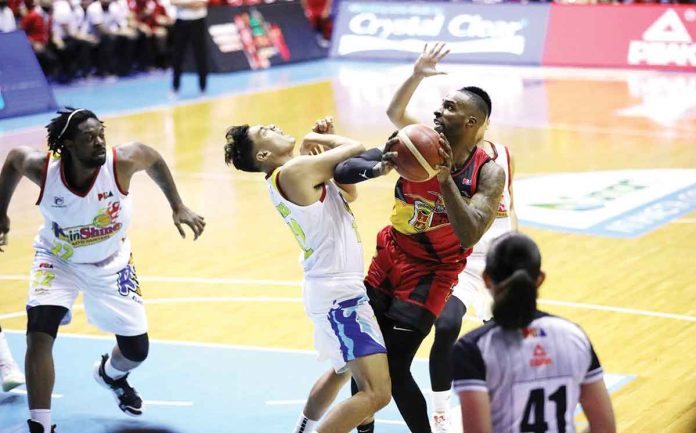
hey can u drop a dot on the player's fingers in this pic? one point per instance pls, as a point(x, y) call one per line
point(181, 230)
point(193, 228)
point(442, 55)
point(425, 48)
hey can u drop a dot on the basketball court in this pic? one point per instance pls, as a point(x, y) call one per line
point(605, 183)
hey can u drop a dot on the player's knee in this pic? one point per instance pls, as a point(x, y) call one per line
point(45, 319)
point(448, 328)
point(135, 348)
point(378, 395)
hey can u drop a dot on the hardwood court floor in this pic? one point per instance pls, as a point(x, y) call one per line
point(239, 283)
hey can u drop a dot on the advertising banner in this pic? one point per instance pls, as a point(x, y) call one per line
point(23, 86)
point(644, 36)
point(259, 36)
point(512, 34)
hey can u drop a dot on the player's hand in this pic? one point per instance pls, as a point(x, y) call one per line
point(426, 65)
point(445, 168)
point(184, 215)
point(325, 125)
point(388, 162)
point(4, 230)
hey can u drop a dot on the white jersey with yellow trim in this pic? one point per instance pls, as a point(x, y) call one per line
point(502, 223)
point(328, 236)
point(83, 228)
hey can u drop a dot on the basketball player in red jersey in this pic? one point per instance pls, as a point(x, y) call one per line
point(434, 224)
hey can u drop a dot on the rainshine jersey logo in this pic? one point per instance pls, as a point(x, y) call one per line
point(103, 226)
point(666, 42)
point(624, 203)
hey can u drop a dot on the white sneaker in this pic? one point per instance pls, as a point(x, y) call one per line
point(11, 376)
point(441, 423)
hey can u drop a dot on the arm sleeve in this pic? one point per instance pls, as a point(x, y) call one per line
point(468, 368)
point(594, 371)
point(358, 168)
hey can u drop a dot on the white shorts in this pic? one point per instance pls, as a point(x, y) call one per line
point(112, 297)
point(472, 291)
point(349, 330)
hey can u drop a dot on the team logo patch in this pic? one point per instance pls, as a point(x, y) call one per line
point(58, 201)
point(127, 281)
point(623, 203)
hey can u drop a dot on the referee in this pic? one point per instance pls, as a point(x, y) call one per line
point(526, 370)
point(190, 27)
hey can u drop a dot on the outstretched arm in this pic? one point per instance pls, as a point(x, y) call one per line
point(134, 157)
point(21, 161)
point(470, 221)
point(425, 66)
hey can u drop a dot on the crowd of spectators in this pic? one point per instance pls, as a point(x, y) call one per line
point(80, 38)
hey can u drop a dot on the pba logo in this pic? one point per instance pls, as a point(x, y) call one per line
point(105, 195)
point(621, 203)
point(666, 42)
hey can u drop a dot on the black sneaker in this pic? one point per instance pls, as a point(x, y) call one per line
point(127, 398)
point(35, 427)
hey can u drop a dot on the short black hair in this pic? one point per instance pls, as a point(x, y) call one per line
point(239, 149)
point(514, 265)
point(64, 127)
point(481, 99)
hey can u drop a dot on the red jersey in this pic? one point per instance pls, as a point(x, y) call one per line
point(36, 25)
point(420, 224)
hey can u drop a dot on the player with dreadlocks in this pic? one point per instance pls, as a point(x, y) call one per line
point(82, 246)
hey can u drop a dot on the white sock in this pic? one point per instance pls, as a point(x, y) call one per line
point(43, 417)
point(5, 354)
point(441, 403)
point(305, 425)
point(112, 371)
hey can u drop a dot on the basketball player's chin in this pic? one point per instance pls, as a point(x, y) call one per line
point(439, 128)
point(97, 161)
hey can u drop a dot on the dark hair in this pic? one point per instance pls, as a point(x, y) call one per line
point(64, 126)
point(239, 149)
point(481, 99)
point(514, 264)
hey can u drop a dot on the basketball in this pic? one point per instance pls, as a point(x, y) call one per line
point(418, 152)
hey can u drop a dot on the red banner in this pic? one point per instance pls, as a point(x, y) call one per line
point(641, 36)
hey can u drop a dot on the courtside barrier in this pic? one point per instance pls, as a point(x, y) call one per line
point(633, 36)
point(259, 36)
point(23, 85)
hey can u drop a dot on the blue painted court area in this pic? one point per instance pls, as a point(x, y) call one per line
point(188, 388)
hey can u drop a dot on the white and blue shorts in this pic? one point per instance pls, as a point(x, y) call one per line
point(348, 331)
point(112, 297)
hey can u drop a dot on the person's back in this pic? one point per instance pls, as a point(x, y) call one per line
point(526, 371)
point(536, 370)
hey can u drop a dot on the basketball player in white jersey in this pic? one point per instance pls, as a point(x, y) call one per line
point(470, 290)
point(315, 209)
point(82, 247)
point(526, 371)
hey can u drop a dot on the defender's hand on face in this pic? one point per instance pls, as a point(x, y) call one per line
point(445, 169)
point(186, 216)
point(426, 65)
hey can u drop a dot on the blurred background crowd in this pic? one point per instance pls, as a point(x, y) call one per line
point(76, 39)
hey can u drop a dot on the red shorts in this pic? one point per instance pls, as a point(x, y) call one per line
point(409, 290)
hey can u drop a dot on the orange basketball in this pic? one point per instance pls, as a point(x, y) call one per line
point(418, 152)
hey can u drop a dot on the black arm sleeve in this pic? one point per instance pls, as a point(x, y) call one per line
point(358, 168)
